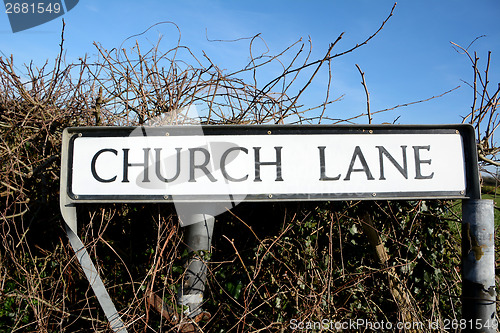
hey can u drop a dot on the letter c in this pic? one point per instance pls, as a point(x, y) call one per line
point(94, 160)
point(223, 164)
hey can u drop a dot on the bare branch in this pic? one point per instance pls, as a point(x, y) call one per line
point(367, 94)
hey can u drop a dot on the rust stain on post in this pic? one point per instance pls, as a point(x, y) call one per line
point(475, 247)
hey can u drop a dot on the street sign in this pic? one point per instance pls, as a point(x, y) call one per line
point(261, 163)
point(204, 168)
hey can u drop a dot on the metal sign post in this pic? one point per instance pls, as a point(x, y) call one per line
point(206, 172)
point(200, 225)
point(68, 212)
point(478, 266)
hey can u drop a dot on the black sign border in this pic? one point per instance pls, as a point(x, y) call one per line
point(466, 132)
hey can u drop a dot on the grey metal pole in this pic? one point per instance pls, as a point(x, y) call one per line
point(478, 266)
point(198, 239)
point(69, 214)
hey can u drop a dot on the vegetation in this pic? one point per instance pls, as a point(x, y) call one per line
point(270, 267)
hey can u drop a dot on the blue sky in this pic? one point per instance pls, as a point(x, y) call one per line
point(411, 59)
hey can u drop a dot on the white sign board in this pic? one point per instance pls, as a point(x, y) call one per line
point(226, 163)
